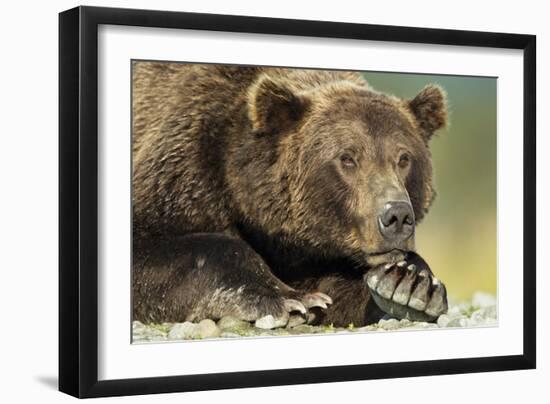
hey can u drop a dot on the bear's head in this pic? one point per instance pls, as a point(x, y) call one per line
point(345, 170)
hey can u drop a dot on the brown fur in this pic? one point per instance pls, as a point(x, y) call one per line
point(253, 152)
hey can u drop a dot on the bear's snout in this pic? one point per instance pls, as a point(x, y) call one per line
point(396, 221)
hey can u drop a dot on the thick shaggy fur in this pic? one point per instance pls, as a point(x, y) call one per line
point(245, 161)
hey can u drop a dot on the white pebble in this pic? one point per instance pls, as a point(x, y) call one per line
point(454, 311)
point(182, 330)
point(391, 324)
point(458, 322)
point(206, 329)
point(231, 322)
point(482, 299)
point(489, 312)
point(443, 320)
point(266, 322)
point(227, 334)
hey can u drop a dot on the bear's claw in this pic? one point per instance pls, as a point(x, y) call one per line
point(294, 305)
point(317, 299)
point(386, 286)
point(408, 290)
point(296, 310)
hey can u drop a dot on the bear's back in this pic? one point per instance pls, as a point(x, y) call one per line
point(159, 89)
point(186, 118)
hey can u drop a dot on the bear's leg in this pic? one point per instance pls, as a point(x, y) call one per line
point(407, 289)
point(352, 301)
point(211, 275)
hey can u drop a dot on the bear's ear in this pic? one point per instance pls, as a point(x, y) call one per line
point(273, 107)
point(430, 109)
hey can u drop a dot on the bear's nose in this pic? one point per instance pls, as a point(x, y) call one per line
point(396, 221)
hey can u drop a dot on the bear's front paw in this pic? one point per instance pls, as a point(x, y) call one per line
point(408, 289)
point(295, 310)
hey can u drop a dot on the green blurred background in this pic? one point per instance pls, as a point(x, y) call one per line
point(458, 236)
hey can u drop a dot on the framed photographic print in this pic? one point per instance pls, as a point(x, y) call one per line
point(250, 201)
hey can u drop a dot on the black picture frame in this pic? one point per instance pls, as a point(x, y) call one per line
point(78, 200)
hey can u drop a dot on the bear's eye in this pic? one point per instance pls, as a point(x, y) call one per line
point(404, 160)
point(347, 161)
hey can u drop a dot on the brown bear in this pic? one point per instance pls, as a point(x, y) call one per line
point(274, 191)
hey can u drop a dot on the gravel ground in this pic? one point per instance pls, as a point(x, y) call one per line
point(481, 311)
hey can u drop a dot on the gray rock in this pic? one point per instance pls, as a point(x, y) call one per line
point(206, 329)
point(456, 310)
point(182, 331)
point(483, 317)
point(443, 320)
point(366, 328)
point(476, 318)
point(458, 322)
point(138, 327)
point(156, 338)
point(490, 312)
point(266, 322)
point(303, 329)
point(227, 334)
point(142, 332)
point(480, 311)
point(422, 325)
point(228, 322)
point(390, 324)
point(269, 322)
point(274, 332)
